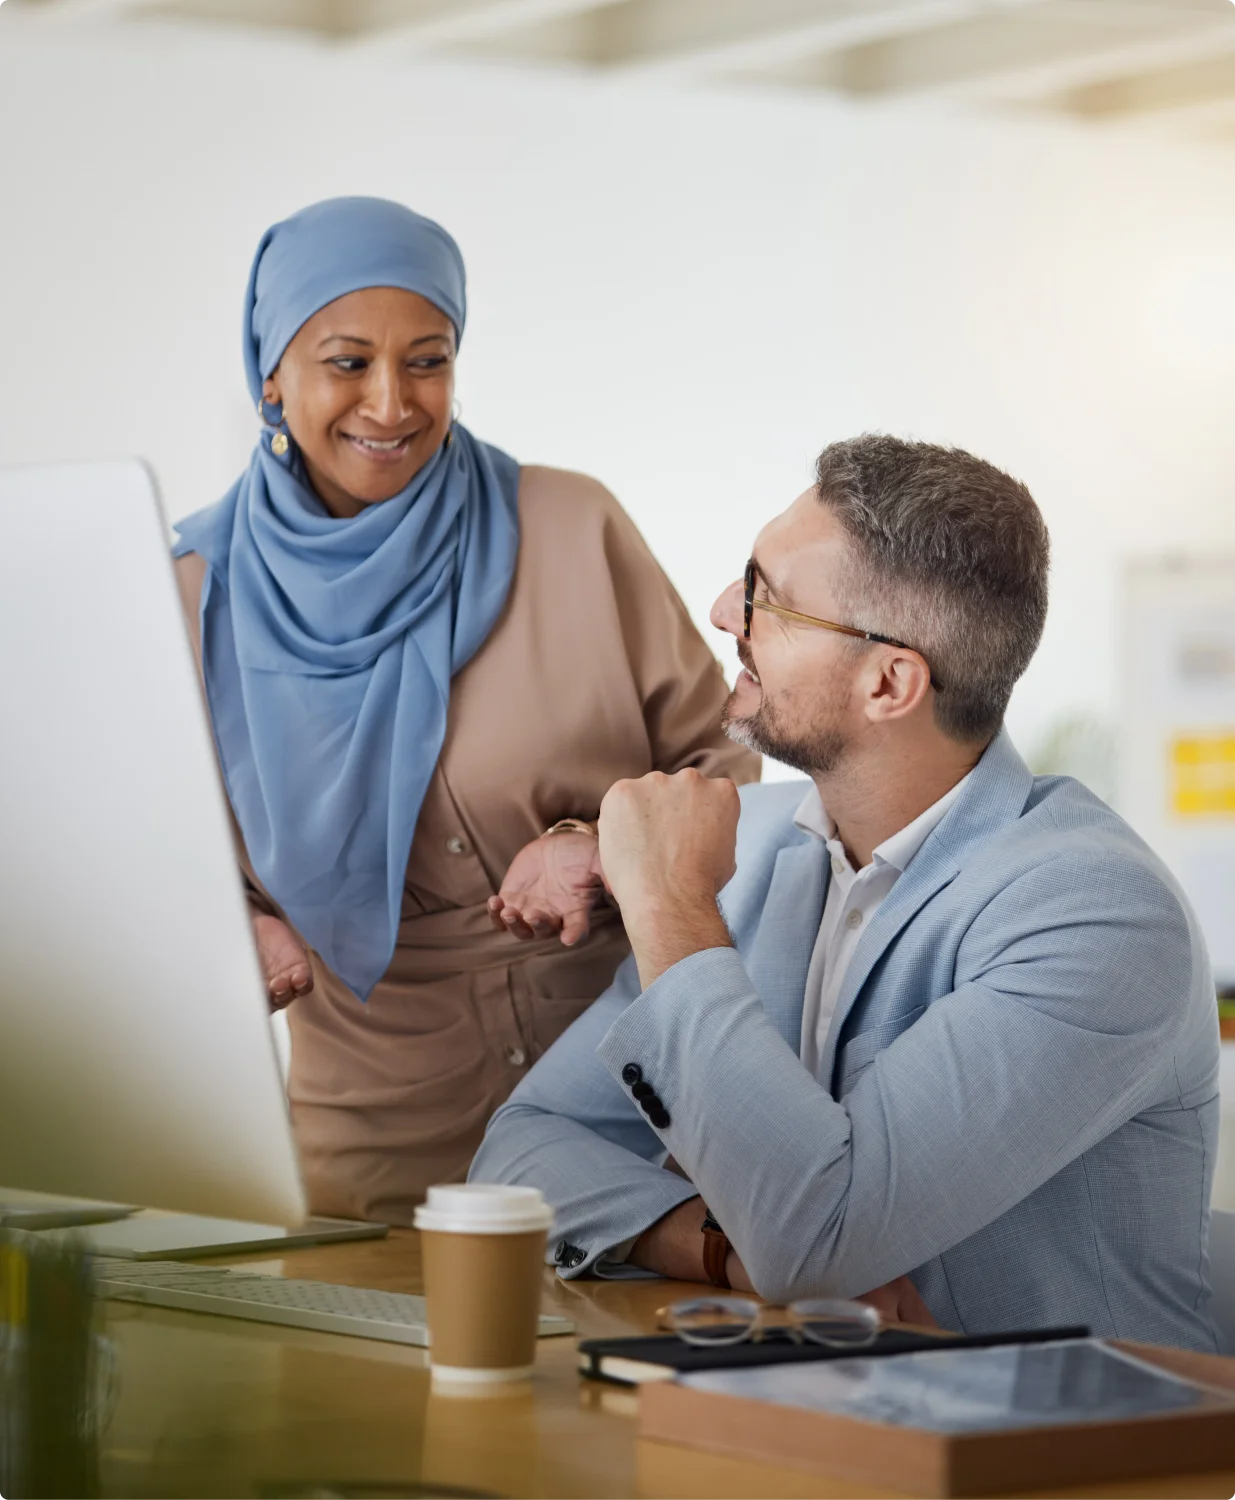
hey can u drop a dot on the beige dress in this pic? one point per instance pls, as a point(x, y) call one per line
point(593, 673)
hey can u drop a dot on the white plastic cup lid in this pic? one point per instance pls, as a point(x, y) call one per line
point(484, 1208)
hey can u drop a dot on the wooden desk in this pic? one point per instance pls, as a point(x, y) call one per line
point(218, 1407)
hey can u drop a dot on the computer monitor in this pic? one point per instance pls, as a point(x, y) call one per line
point(136, 1058)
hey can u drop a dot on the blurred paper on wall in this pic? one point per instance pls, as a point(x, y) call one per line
point(1177, 731)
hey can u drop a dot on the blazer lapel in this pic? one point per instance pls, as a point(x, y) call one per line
point(995, 796)
point(780, 955)
point(910, 893)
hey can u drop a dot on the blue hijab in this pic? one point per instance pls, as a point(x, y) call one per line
point(328, 645)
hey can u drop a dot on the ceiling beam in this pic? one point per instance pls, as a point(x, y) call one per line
point(60, 11)
point(1106, 65)
point(975, 54)
point(690, 37)
point(432, 24)
point(1200, 90)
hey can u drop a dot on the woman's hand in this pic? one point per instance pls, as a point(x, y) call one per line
point(551, 887)
point(285, 964)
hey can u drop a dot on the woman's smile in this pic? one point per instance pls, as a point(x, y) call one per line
point(381, 450)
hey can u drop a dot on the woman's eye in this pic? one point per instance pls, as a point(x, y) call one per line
point(428, 362)
point(349, 364)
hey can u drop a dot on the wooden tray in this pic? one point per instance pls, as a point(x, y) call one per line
point(926, 1463)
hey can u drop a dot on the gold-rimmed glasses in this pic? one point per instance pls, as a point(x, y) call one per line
point(712, 1322)
point(751, 579)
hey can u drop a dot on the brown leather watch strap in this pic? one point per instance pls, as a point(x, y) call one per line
point(716, 1249)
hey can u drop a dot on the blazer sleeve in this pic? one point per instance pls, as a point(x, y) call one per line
point(679, 680)
point(1055, 1035)
point(571, 1130)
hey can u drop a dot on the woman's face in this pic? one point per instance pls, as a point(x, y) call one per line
point(366, 388)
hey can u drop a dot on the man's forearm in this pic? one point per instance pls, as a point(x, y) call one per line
point(663, 932)
point(673, 1247)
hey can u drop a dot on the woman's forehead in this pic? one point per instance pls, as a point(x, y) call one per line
point(378, 314)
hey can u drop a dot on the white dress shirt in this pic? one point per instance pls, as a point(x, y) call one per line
point(853, 896)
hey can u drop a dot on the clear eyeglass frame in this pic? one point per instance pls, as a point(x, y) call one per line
point(717, 1322)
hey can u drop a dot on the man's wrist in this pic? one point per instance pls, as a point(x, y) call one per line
point(664, 931)
point(673, 1246)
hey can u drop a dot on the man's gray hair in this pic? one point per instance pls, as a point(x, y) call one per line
point(950, 556)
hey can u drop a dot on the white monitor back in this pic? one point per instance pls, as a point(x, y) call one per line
point(136, 1059)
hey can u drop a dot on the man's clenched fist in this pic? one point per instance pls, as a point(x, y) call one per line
point(667, 848)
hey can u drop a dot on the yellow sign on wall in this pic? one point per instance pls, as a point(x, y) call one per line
point(1203, 775)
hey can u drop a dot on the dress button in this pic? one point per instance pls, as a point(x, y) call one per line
point(456, 845)
point(649, 1104)
point(516, 1056)
point(643, 1091)
point(661, 1118)
point(632, 1074)
point(853, 921)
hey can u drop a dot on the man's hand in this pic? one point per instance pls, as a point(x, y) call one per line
point(667, 849)
point(673, 1247)
point(552, 885)
point(285, 964)
point(900, 1302)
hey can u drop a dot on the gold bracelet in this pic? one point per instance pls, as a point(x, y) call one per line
point(570, 825)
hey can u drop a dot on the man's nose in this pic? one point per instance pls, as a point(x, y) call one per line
point(729, 611)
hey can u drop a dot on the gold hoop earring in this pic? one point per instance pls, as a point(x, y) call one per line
point(280, 442)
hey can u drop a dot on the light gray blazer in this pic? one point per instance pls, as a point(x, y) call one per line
point(1017, 1104)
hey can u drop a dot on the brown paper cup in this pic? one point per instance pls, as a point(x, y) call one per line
point(483, 1252)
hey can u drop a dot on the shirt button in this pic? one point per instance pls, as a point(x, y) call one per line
point(456, 845)
point(516, 1056)
point(838, 865)
point(853, 921)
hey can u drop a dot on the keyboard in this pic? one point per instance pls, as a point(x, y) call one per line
point(361, 1312)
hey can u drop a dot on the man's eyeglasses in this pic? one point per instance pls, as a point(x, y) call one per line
point(752, 604)
point(709, 1322)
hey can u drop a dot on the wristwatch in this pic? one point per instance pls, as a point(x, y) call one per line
point(716, 1249)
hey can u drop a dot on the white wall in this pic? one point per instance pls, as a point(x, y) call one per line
point(685, 294)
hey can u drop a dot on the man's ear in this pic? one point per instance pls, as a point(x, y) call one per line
point(898, 682)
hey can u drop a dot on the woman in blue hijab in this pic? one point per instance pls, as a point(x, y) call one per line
point(419, 657)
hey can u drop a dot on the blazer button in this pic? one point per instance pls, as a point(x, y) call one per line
point(661, 1118)
point(643, 1091)
point(560, 1254)
point(577, 1257)
point(632, 1074)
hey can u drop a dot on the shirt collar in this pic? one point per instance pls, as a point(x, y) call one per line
point(897, 850)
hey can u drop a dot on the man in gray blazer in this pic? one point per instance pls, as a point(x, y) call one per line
point(926, 1027)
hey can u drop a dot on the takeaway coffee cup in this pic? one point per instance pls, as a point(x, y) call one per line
point(483, 1250)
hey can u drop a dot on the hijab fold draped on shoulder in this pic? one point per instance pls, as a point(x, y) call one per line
point(328, 645)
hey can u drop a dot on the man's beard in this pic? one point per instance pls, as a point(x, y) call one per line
point(817, 752)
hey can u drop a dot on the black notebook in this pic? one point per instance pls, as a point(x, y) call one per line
point(634, 1361)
